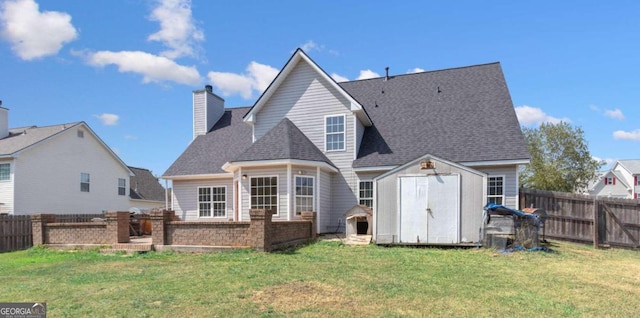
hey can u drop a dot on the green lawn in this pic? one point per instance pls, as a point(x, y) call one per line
point(327, 279)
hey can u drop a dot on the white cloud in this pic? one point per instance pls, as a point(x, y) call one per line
point(627, 135)
point(130, 137)
point(528, 115)
point(108, 119)
point(615, 114)
point(594, 108)
point(607, 161)
point(34, 34)
point(338, 78)
point(153, 68)
point(366, 74)
point(415, 70)
point(177, 28)
point(257, 77)
point(310, 46)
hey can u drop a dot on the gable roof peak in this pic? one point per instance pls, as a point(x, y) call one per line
point(298, 56)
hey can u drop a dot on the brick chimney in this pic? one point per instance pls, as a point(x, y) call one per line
point(4, 121)
point(207, 110)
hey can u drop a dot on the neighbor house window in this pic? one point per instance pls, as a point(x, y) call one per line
point(304, 194)
point(5, 171)
point(635, 180)
point(334, 132)
point(610, 180)
point(366, 193)
point(84, 182)
point(122, 186)
point(264, 193)
point(212, 202)
point(495, 191)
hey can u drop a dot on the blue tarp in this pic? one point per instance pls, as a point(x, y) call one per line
point(497, 209)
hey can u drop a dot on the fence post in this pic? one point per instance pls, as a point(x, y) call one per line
point(158, 221)
point(118, 226)
point(311, 217)
point(260, 229)
point(39, 227)
point(596, 224)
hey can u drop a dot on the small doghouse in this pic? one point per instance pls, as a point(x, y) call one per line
point(359, 220)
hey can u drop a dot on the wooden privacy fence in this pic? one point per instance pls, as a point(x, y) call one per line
point(15, 233)
point(583, 218)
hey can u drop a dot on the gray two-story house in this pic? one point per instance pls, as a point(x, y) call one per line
point(312, 144)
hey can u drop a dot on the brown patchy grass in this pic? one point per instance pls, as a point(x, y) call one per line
point(327, 279)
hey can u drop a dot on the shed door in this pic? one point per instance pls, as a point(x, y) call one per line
point(429, 209)
point(442, 209)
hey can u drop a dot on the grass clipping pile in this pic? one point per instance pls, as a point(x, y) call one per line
point(301, 296)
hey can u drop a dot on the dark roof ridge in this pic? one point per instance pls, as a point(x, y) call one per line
point(423, 72)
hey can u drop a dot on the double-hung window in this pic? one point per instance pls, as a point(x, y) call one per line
point(5, 171)
point(495, 191)
point(334, 133)
point(610, 180)
point(264, 193)
point(122, 186)
point(85, 180)
point(366, 193)
point(304, 194)
point(212, 202)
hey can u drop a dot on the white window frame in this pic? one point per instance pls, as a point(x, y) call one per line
point(344, 133)
point(123, 186)
point(212, 202)
point(8, 174)
point(504, 187)
point(277, 195)
point(296, 195)
point(360, 197)
point(88, 182)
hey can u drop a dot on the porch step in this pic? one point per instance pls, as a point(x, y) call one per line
point(357, 240)
point(128, 248)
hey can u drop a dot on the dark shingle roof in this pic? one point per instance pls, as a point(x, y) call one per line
point(206, 154)
point(283, 141)
point(144, 186)
point(462, 114)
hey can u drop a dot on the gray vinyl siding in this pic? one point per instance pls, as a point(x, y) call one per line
point(207, 110)
point(185, 198)
point(359, 134)
point(472, 198)
point(324, 218)
point(199, 114)
point(510, 182)
point(306, 99)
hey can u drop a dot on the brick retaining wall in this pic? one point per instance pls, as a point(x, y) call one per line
point(77, 233)
point(234, 234)
point(282, 232)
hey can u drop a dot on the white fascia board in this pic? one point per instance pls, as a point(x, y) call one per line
point(427, 157)
point(377, 168)
point(199, 176)
point(496, 163)
point(142, 200)
point(265, 163)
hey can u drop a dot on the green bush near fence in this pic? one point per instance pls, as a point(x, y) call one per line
point(327, 279)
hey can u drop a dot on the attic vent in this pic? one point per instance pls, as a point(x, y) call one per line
point(80, 133)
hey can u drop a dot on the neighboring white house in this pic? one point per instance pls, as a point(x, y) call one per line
point(61, 169)
point(312, 144)
point(619, 182)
